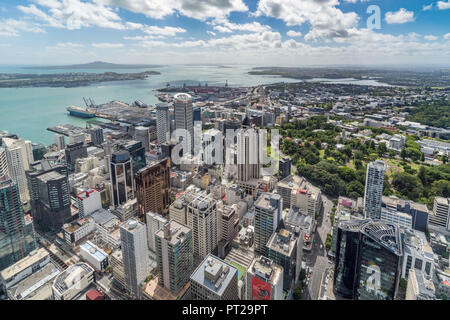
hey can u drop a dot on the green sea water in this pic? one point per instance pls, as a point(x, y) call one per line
point(28, 112)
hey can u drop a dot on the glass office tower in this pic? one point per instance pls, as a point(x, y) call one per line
point(17, 238)
point(368, 260)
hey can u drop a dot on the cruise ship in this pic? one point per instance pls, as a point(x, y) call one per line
point(80, 112)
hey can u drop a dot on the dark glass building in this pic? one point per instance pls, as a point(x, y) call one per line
point(17, 238)
point(121, 174)
point(368, 260)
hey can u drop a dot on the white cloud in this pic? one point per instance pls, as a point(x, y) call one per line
point(443, 5)
point(74, 14)
point(69, 45)
point(399, 17)
point(430, 38)
point(200, 10)
point(325, 19)
point(211, 33)
point(13, 28)
point(164, 31)
point(428, 7)
point(225, 26)
point(447, 36)
point(293, 34)
point(106, 45)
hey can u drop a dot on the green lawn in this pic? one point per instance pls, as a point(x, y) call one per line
point(240, 268)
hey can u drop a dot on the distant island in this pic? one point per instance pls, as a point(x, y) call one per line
point(96, 65)
point(67, 80)
point(407, 78)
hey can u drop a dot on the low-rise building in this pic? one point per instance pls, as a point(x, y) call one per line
point(419, 286)
point(69, 285)
point(95, 256)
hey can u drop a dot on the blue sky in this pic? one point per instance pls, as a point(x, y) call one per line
point(262, 32)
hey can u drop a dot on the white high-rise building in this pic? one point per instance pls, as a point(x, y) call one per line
point(60, 141)
point(441, 213)
point(162, 123)
point(154, 223)
point(77, 138)
point(133, 235)
point(202, 219)
point(19, 155)
point(184, 115)
point(374, 189)
point(249, 155)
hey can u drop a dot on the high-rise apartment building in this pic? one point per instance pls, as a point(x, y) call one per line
point(214, 279)
point(153, 188)
point(174, 255)
point(441, 213)
point(368, 260)
point(162, 123)
point(202, 219)
point(17, 238)
point(121, 174)
point(154, 222)
point(19, 155)
point(60, 141)
point(184, 116)
point(133, 236)
point(88, 202)
point(268, 210)
point(374, 189)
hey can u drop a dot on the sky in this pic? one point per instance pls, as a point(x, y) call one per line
point(256, 32)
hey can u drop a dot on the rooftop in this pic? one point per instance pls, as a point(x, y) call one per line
point(283, 242)
point(71, 276)
point(177, 232)
point(95, 251)
point(214, 274)
point(25, 263)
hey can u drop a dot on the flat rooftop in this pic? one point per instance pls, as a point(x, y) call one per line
point(37, 286)
point(25, 263)
point(214, 274)
point(178, 232)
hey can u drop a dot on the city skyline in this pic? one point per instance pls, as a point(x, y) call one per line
point(305, 32)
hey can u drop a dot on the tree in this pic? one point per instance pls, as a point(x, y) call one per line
point(298, 293)
point(444, 158)
point(403, 154)
point(408, 185)
point(382, 149)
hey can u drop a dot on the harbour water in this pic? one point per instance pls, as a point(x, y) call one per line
point(28, 112)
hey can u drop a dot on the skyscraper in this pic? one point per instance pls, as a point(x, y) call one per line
point(162, 123)
point(249, 155)
point(121, 174)
point(374, 189)
point(19, 155)
point(174, 255)
point(73, 152)
point(368, 260)
point(60, 141)
point(53, 207)
point(17, 238)
point(184, 115)
point(153, 187)
point(268, 210)
point(202, 219)
point(96, 136)
point(142, 134)
point(133, 236)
